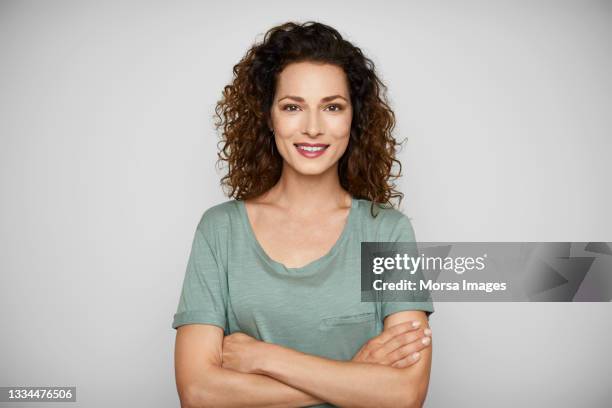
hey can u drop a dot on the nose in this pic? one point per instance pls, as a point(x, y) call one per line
point(313, 125)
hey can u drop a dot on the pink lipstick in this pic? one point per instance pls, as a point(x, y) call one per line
point(311, 150)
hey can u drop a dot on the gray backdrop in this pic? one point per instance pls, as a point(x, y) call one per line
point(108, 155)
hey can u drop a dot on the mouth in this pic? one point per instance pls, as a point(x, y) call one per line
point(311, 150)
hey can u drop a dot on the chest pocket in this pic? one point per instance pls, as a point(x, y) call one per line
point(346, 320)
point(342, 336)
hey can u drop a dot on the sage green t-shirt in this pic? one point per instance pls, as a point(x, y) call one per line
point(232, 283)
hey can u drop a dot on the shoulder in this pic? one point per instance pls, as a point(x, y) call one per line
point(389, 224)
point(219, 216)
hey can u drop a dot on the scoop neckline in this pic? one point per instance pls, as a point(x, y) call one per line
point(312, 265)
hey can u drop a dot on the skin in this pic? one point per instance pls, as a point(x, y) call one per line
point(238, 370)
point(282, 217)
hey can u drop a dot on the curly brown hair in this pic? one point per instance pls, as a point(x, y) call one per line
point(249, 148)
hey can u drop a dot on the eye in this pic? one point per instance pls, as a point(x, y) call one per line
point(289, 106)
point(337, 107)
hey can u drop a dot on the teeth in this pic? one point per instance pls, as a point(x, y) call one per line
point(311, 149)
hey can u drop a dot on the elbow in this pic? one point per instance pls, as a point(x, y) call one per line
point(200, 392)
point(409, 396)
point(407, 401)
point(190, 398)
point(194, 397)
point(415, 399)
point(415, 403)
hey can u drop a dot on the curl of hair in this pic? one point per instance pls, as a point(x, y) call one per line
point(248, 146)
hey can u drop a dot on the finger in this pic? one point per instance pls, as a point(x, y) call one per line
point(410, 353)
point(385, 352)
point(408, 361)
point(393, 331)
point(376, 344)
point(403, 339)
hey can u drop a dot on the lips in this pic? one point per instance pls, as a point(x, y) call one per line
point(312, 145)
point(311, 150)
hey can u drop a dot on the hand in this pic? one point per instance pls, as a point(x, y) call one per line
point(395, 346)
point(240, 352)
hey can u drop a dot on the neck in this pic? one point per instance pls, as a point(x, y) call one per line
point(305, 194)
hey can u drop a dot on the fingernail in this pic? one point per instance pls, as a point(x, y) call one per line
point(427, 332)
point(416, 323)
point(425, 340)
point(415, 356)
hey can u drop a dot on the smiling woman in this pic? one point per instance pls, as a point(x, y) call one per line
point(270, 311)
point(315, 128)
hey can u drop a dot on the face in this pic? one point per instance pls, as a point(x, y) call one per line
point(311, 116)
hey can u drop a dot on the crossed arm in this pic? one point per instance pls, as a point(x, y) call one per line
point(245, 372)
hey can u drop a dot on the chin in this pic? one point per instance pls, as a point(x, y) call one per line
point(310, 170)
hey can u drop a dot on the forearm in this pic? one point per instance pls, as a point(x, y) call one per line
point(229, 388)
point(343, 383)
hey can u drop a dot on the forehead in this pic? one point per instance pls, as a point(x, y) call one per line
point(312, 80)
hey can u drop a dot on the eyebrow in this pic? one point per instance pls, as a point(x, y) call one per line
point(300, 99)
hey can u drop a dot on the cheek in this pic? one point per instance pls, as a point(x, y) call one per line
point(341, 127)
point(338, 128)
point(341, 132)
point(342, 146)
point(288, 124)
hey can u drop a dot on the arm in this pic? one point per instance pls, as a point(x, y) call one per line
point(349, 383)
point(417, 375)
point(202, 382)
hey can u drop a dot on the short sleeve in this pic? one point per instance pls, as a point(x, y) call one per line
point(203, 296)
point(402, 231)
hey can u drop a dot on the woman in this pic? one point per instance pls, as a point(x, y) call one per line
point(270, 313)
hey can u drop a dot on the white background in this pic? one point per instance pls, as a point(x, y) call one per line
point(108, 161)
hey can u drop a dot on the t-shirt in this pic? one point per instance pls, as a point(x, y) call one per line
point(232, 283)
